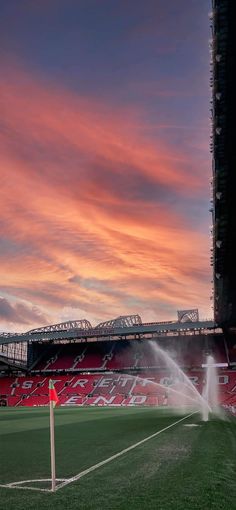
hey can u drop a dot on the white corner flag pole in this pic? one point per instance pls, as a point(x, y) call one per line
point(52, 441)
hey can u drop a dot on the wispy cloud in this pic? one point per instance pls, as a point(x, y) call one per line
point(94, 216)
point(20, 313)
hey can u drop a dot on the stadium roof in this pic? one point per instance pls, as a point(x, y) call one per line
point(125, 327)
point(223, 82)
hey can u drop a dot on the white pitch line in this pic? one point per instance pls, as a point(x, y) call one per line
point(24, 488)
point(36, 480)
point(96, 466)
point(18, 485)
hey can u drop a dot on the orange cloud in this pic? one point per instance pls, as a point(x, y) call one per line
point(93, 214)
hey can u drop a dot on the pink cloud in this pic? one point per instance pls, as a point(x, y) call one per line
point(67, 218)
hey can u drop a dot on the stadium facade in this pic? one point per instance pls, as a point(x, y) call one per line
point(223, 113)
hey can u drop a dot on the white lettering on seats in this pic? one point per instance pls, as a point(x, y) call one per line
point(138, 399)
point(80, 382)
point(103, 400)
point(146, 381)
point(73, 400)
point(223, 379)
point(167, 381)
point(27, 384)
point(104, 382)
point(194, 379)
point(123, 381)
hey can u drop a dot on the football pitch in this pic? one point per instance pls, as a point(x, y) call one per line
point(117, 458)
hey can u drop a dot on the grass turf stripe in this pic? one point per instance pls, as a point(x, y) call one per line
point(119, 454)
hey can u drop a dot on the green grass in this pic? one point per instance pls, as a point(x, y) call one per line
point(183, 468)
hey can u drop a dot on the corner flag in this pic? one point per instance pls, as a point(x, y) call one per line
point(53, 401)
point(53, 397)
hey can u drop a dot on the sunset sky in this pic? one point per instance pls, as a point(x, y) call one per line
point(104, 160)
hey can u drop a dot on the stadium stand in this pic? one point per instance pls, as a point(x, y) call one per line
point(121, 355)
point(110, 388)
point(111, 369)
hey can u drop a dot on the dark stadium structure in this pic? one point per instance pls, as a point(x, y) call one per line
point(224, 160)
point(101, 365)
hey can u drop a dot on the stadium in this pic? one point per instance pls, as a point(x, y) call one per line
point(130, 431)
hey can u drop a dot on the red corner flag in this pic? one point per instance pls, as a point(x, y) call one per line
point(53, 397)
point(53, 400)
